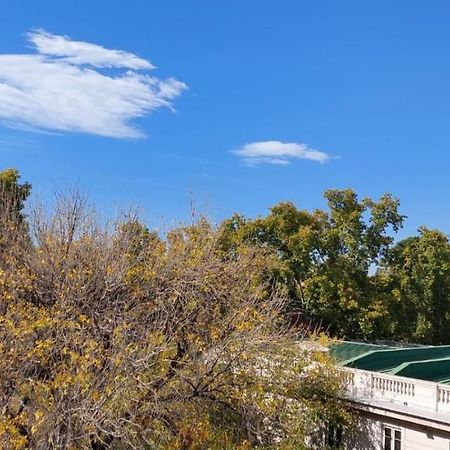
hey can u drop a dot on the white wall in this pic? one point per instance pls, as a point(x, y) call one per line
point(368, 435)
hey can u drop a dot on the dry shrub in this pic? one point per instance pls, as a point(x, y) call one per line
point(116, 338)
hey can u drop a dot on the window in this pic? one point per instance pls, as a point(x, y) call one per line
point(334, 437)
point(392, 438)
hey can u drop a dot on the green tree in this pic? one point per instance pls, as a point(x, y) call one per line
point(418, 272)
point(354, 239)
point(12, 193)
point(12, 200)
point(326, 257)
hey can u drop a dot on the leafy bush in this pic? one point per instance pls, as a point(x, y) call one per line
point(112, 337)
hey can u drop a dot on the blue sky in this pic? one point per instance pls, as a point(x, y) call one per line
point(359, 90)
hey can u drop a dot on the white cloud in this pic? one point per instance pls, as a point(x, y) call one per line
point(60, 88)
point(277, 152)
point(77, 52)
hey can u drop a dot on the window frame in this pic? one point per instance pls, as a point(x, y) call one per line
point(393, 436)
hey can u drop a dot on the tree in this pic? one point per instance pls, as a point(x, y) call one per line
point(418, 273)
point(354, 239)
point(119, 339)
point(325, 257)
point(12, 201)
point(12, 194)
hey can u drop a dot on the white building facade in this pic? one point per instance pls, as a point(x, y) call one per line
point(397, 413)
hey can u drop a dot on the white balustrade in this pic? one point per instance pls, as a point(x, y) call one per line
point(367, 386)
point(443, 397)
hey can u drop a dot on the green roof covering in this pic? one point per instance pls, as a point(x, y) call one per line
point(430, 363)
point(432, 370)
point(388, 360)
point(344, 351)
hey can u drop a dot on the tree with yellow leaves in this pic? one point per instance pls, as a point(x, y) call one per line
point(116, 338)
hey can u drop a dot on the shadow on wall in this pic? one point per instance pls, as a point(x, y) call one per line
point(365, 435)
point(375, 432)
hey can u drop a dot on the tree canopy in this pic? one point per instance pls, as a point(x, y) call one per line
point(417, 273)
point(343, 270)
point(12, 193)
point(325, 257)
point(117, 338)
point(121, 337)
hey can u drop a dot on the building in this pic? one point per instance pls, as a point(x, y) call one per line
point(402, 395)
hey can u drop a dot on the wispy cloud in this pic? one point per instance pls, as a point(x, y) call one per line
point(78, 52)
point(277, 152)
point(65, 86)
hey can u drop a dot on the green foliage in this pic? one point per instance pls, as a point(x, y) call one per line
point(325, 257)
point(340, 267)
point(417, 273)
point(12, 194)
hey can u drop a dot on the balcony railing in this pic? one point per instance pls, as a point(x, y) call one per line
point(420, 394)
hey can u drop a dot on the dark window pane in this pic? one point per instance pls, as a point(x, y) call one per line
point(334, 436)
point(330, 437)
point(398, 435)
point(397, 445)
point(387, 443)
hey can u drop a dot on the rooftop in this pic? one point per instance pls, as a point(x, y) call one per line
point(430, 363)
